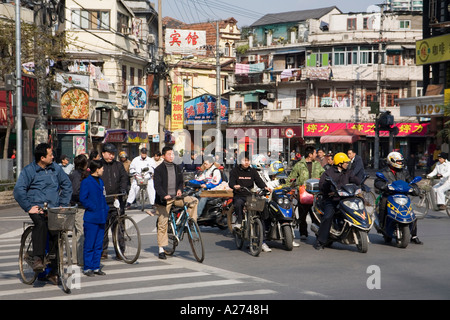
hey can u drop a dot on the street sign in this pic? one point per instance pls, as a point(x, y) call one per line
point(289, 133)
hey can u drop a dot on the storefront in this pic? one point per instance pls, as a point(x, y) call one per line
point(412, 138)
point(71, 138)
point(129, 141)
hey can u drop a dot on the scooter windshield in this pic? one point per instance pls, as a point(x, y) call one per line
point(400, 186)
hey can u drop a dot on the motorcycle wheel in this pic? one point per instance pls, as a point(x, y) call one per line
point(221, 221)
point(403, 240)
point(363, 242)
point(288, 238)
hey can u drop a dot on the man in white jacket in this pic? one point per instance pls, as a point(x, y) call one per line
point(136, 166)
point(442, 171)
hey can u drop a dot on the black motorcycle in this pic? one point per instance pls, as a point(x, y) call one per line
point(213, 214)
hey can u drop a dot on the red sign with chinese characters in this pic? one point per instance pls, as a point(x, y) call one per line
point(405, 129)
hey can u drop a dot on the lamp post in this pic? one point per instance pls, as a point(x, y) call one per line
point(19, 139)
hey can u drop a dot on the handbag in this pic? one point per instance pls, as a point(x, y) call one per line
point(304, 196)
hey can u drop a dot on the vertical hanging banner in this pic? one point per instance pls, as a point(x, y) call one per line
point(177, 118)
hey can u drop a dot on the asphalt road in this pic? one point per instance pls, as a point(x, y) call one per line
point(340, 272)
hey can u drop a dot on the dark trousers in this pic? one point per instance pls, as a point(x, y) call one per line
point(39, 235)
point(239, 203)
point(112, 214)
point(329, 207)
point(303, 210)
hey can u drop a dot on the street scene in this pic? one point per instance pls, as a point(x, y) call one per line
point(209, 151)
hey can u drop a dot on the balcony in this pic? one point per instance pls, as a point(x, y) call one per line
point(267, 116)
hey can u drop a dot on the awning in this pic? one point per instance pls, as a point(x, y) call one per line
point(252, 96)
point(394, 48)
point(290, 51)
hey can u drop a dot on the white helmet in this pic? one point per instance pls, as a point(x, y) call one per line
point(396, 160)
point(259, 161)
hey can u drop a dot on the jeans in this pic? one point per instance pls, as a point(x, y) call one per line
point(201, 206)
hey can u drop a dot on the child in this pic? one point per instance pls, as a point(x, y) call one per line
point(92, 196)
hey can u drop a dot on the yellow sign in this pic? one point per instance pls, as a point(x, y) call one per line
point(433, 50)
point(177, 117)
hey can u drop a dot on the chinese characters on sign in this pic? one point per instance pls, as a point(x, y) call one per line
point(323, 129)
point(203, 109)
point(177, 118)
point(184, 41)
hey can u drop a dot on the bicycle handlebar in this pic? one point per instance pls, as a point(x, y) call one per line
point(115, 195)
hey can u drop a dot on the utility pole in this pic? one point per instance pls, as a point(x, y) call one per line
point(218, 97)
point(161, 78)
point(376, 160)
point(19, 131)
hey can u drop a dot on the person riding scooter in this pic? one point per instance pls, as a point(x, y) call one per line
point(441, 171)
point(211, 177)
point(393, 172)
point(341, 176)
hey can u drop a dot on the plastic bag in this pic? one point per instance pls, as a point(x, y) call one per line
point(304, 196)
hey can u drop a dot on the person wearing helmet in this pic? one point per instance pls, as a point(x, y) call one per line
point(441, 171)
point(341, 176)
point(306, 168)
point(123, 157)
point(394, 171)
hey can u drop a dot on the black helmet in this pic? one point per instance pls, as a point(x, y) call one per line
point(109, 147)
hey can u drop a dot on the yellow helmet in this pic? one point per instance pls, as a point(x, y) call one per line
point(340, 158)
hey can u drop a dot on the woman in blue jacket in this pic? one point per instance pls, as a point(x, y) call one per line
point(92, 196)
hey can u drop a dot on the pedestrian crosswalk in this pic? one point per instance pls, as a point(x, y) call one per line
point(176, 278)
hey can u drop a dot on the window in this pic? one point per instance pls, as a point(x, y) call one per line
point(366, 23)
point(394, 59)
point(405, 24)
point(351, 24)
point(90, 19)
point(139, 77)
point(238, 105)
point(371, 96)
point(123, 23)
point(391, 95)
point(301, 98)
point(131, 76)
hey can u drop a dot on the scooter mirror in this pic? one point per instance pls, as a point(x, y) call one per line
point(416, 179)
point(381, 176)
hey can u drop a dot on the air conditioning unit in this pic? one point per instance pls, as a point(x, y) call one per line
point(252, 58)
point(96, 116)
point(97, 131)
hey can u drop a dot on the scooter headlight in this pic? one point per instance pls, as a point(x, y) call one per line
point(401, 201)
point(280, 201)
point(286, 201)
point(351, 204)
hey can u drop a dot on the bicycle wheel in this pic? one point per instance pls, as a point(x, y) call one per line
point(64, 261)
point(256, 236)
point(447, 203)
point(421, 205)
point(26, 257)
point(173, 241)
point(129, 247)
point(142, 195)
point(195, 240)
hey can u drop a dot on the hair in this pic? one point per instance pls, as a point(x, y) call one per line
point(352, 150)
point(165, 149)
point(157, 153)
point(94, 165)
point(309, 150)
point(41, 151)
point(244, 155)
point(93, 154)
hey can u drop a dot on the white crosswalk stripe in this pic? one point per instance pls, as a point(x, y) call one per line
point(174, 278)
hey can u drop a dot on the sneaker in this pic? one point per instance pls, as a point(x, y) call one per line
point(416, 240)
point(303, 237)
point(442, 207)
point(99, 272)
point(318, 245)
point(295, 244)
point(88, 273)
point(266, 248)
point(37, 264)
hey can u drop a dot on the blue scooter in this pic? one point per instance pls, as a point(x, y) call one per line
point(400, 217)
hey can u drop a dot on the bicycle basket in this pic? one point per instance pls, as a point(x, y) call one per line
point(256, 204)
point(61, 219)
point(141, 181)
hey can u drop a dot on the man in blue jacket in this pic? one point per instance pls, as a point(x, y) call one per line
point(39, 182)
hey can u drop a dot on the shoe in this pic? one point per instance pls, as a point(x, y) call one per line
point(265, 248)
point(303, 237)
point(416, 240)
point(104, 256)
point(128, 206)
point(237, 226)
point(99, 272)
point(318, 245)
point(88, 273)
point(53, 279)
point(295, 244)
point(442, 207)
point(162, 255)
point(37, 264)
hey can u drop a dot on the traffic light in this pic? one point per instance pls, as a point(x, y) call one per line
point(385, 121)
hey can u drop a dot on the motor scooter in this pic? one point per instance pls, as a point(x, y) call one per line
point(400, 218)
point(351, 222)
point(279, 224)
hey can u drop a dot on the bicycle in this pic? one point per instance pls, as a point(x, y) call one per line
point(180, 223)
point(427, 199)
point(125, 233)
point(142, 181)
point(61, 220)
point(252, 227)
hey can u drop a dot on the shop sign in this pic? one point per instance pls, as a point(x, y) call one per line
point(137, 98)
point(203, 109)
point(433, 50)
point(116, 135)
point(324, 129)
point(185, 41)
point(137, 137)
point(70, 127)
point(4, 110)
point(177, 117)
